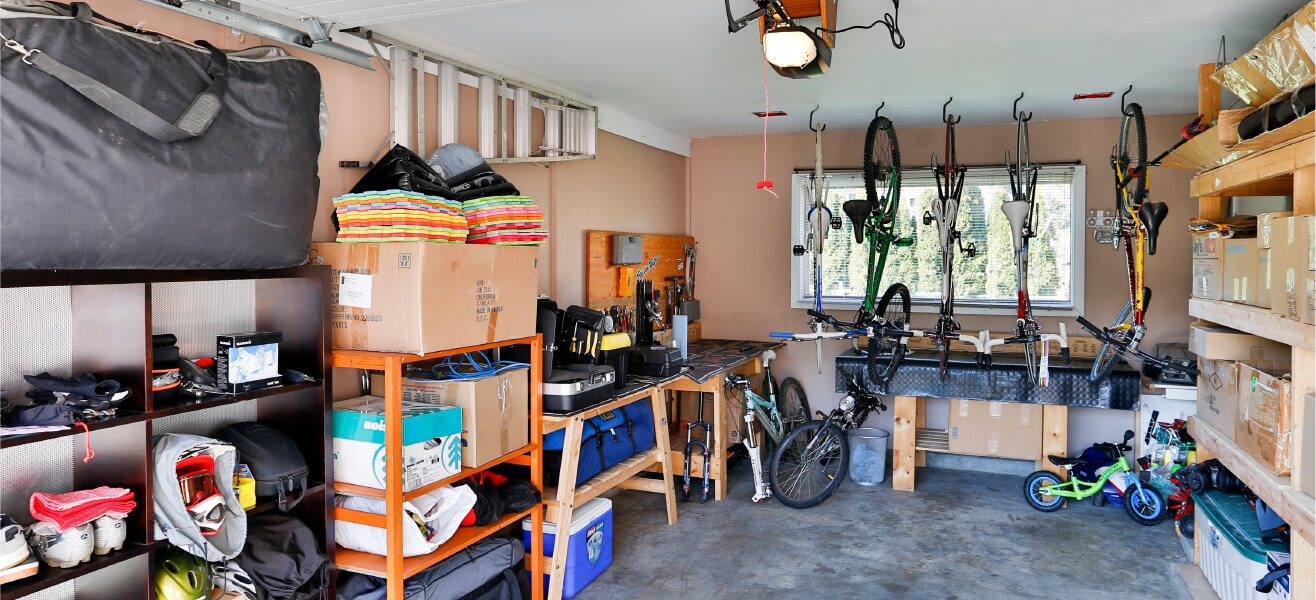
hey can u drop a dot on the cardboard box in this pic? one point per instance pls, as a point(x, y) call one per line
point(1004, 429)
point(1240, 272)
point(1208, 245)
point(1263, 279)
point(247, 361)
point(1293, 285)
point(1216, 389)
point(1307, 466)
point(431, 442)
point(1265, 226)
point(1265, 417)
point(1208, 278)
point(495, 410)
point(420, 297)
point(1217, 342)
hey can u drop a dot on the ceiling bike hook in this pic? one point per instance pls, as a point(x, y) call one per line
point(879, 110)
point(943, 113)
point(1015, 111)
point(1126, 93)
point(822, 127)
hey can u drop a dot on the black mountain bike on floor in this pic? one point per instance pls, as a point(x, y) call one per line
point(945, 212)
point(1136, 223)
point(814, 459)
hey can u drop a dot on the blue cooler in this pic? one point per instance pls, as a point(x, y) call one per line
point(589, 551)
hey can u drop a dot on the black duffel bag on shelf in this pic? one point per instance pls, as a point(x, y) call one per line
point(127, 149)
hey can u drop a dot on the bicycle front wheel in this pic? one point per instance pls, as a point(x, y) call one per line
point(1133, 152)
point(882, 167)
point(809, 464)
point(885, 353)
point(792, 405)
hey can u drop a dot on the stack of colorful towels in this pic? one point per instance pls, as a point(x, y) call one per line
point(399, 216)
point(505, 221)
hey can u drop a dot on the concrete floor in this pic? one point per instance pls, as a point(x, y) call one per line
point(961, 535)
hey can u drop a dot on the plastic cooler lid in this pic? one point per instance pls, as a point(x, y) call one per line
point(1232, 515)
point(583, 516)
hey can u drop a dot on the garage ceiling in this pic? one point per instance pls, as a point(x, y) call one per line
point(673, 64)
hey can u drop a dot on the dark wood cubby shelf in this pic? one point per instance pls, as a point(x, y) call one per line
point(112, 327)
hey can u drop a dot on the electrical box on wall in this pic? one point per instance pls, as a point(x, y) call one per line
point(627, 249)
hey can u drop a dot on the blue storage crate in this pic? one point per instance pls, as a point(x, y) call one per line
point(589, 550)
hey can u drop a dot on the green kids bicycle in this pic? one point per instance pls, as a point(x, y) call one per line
point(1046, 492)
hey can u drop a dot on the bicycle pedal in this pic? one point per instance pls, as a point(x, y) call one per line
point(797, 250)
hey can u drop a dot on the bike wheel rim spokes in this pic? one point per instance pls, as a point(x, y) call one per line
point(1040, 497)
point(804, 473)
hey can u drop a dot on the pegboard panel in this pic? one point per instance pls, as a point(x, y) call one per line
point(197, 312)
point(63, 591)
point(602, 277)
point(36, 334)
point(38, 467)
point(206, 422)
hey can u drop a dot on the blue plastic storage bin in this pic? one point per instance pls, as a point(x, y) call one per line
point(589, 551)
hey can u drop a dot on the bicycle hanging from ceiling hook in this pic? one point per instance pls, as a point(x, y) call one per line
point(879, 109)
point(944, 118)
point(1016, 115)
point(822, 127)
point(1122, 96)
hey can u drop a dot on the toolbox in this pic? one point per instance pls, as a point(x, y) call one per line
point(613, 352)
point(575, 387)
point(655, 361)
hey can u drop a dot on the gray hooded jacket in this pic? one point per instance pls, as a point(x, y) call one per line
point(172, 521)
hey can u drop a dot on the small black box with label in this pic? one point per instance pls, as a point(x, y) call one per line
point(247, 361)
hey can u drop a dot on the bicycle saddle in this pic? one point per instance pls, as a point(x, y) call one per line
point(1065, 461)
point(858, 211)
point(1151, 214)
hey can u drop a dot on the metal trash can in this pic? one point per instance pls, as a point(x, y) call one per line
point(868, 455)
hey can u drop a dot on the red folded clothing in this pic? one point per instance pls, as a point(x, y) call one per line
point(66, 511)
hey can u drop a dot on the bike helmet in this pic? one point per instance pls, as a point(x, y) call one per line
point(180, 576)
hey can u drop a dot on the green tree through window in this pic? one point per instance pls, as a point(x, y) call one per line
point(986, 280)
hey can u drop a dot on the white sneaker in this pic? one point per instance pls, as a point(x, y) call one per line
point(63, 549)
point(110, 534)
point(13, 546)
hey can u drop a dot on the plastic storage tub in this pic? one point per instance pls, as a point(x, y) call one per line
point(868, 455)
point(589, 551)
point(1233, 556)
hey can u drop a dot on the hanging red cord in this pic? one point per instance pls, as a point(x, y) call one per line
point(90, 453)
point(765, 184)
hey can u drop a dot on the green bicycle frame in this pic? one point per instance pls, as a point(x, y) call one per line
point(880, 240)
point(1078, 490)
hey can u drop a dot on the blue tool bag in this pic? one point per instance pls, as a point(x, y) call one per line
point(607, 439)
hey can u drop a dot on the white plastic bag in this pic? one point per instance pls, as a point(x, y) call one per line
point(441, 510)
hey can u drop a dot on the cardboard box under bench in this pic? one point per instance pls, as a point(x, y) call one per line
point(1004, 429)
point(421, 297)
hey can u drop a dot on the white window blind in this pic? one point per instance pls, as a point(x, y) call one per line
point(986, 281)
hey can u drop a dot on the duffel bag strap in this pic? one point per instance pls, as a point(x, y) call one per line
point(285, 503)
point(192, 123)
point(598, 440)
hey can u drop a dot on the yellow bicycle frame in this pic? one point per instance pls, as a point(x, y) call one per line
point(1134, 244)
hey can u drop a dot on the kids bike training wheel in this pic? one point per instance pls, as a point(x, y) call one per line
point(885, 353)
point(1036, 499)
point(1133, 153)
point(809, 464)
point(792, 405)
point(882, 167)
point(1144, 504)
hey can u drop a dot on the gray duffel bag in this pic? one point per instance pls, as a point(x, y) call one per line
point(126, 149)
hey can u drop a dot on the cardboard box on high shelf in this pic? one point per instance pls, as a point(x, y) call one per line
point(419, 297)
point(1239, 277)
point(1004, 429)
point(1293, 283)
point(1208, 245)
point(1208, 278)
point(1265, 227)
point(495, 410)
point(1217, 342)
point(1263, 279)
point(1216, 389)
point(1265, 417)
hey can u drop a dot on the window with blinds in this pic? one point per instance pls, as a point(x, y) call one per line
point(988, 281)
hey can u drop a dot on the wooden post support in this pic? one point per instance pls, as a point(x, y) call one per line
point(920, 422)
point(1304, 382)
point(719, 448)
point(902, 453)
point(393, 477)
point(659, 401)
point(1304, 190)
point(1208, 94)
point(566, 501)
point(1212, 207)
point(1302, 580)
point(1055, 436)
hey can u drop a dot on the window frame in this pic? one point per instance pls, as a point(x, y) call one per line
point(962, 306)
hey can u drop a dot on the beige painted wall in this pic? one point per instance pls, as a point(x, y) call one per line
point(630, 187)
point(744, 238)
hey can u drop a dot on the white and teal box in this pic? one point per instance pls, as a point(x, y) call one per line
point(431, 442)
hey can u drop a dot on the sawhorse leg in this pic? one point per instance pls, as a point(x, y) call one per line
point(566, 500)
point(903, 453)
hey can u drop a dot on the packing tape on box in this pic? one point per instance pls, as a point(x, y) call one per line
point(1025, 415)
point(994, 409)
point(994, 445)
point(504, 388)
point(964, 408)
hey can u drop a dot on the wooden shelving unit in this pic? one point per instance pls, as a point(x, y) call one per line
point(1285, 168)
point(394, 567)
point(111, 337)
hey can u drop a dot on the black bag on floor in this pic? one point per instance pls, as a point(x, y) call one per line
point(275, 461)
point(283, 558)
point(493, 569)
point(607, 439)
point(126, 149)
